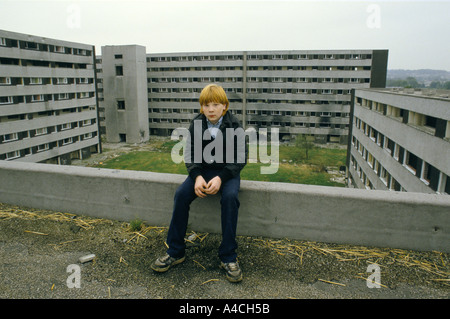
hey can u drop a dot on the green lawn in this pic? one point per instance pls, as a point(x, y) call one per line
point(293, 168)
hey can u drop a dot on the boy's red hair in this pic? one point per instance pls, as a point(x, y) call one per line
point(213, 93)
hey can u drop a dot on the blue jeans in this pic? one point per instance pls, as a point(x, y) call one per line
point(185, 195)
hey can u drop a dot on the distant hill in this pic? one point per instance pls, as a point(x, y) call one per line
point(422, 75)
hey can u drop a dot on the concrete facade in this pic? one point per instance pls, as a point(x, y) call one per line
point(48, 106)
point(298, 92)
point(124, 87)
point(415, 221)
point(400, 140)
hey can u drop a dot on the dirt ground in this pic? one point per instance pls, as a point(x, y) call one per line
point(37, 247)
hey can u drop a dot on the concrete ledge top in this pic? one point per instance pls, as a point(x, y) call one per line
point(264, 187)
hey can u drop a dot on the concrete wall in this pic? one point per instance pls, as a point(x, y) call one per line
point(334, 215)
point(131, 87)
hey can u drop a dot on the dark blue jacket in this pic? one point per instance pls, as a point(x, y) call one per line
point(228, 169)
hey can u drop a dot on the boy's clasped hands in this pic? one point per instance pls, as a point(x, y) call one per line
point(202, 189)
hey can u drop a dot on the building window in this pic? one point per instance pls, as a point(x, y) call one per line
point(42, 147)
point(63, 96)
point(86, 122)
point(66, 141)
point(430, 175)
point(6, 99)
point(61, 81)
point(371, 160)
point(35, 80)
point(376, 167)
point(396, 154)
point(426, 173)
point(37, 98)
point(447, 185)
point(5, 80)
point(41, 131)
point(121, 105)
point(12, 155)
point(380, 139)
point(87, 136)
point(411, 162)
point(430, 121)
point(394, 185)
point(119, 70)
point(118, 56)
point(11, 137)
point(389, 145)
point(3, 41)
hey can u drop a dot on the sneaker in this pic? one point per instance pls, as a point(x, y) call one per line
point(233, 271)
point(163, 264)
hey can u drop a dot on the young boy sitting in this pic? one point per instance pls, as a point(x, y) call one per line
point(208, 177)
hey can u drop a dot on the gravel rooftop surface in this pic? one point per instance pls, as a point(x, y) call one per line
point(36, 248)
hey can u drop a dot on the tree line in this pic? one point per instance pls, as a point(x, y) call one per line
point(411, 82)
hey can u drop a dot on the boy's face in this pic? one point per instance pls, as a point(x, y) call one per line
point(213, 111)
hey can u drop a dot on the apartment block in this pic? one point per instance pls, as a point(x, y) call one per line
point(298, 92)
point(400, 140)
point(124, 93)
point(48, 106)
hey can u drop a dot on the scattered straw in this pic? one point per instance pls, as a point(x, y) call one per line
point(199, 264)
point(144, 231)
point(209, 281)
point(8, 212)
point(122, 260)
point(384, 257)
point(35, 232)
point(332, 282)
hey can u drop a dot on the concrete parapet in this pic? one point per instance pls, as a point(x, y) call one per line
point(317, 213)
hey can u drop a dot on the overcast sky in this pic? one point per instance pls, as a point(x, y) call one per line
point(416, 33)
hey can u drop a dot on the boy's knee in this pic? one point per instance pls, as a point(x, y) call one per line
point(182, 194)
point(230, 197)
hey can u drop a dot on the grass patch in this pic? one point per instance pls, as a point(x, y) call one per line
point(136, 224)
point(288, 173)
point(293, 167)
